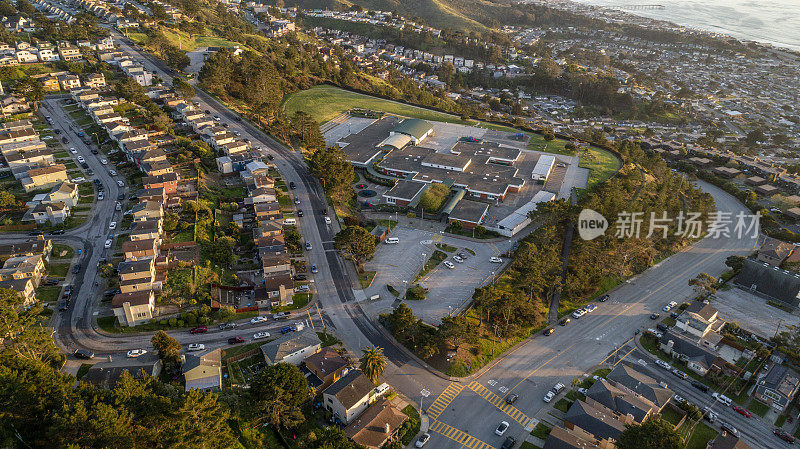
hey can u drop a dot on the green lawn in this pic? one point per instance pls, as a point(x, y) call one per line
point(299, 300)
point(365, 278)
point(670, 415)
point(326, 102)
point(48, 293)
point(602, 164)
point(61, 251)
point(58, 270)
point(701, 436)
point(327, 339)
point(562, 405)
point(431, 263)
point(541, 431)
point(759, 408)
point(528, 445)
point(414, 423)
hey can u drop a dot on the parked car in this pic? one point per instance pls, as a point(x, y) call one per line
point(314, 268)
point(292, 185)
point(258, 319)
point(784, 436)
point(583, 391)
point(564, 322)
point(423, 440)
point(300, 277)
point(299, 212)
point(679, 373)
point(495, 260)
point(590, 308)
point(501, 428)
point(107, 244)
point(104, 161)
point(708, 415)
point(198, 330)
point(578, 313)
point(260, 335)
point(83, 354)
point(230, 325)
point(742, 411)
point(196, 347)
point(120, 183)
point(287, 329)
point(511, 398)
point(235, 340)
point(663, 364)
point(133, 353)
point(308, 246)
point(654, 316)
point(549, 396)
point(63, 305)
point(729, 428)
point(508, 443)
point(449, 264)
point(112, 225)
point(549, 331)
point(281, 316)
point(458, 259)
point(678, 398)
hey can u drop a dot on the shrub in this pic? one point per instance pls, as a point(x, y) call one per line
point(181, 323)
point(173, 322)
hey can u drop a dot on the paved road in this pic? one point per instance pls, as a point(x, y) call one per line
point(535, 367)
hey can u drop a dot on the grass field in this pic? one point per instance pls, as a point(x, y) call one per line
point(601, 163)
point(185, 41)
point(326, 102)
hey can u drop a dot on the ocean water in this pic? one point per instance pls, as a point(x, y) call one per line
point(776, 22)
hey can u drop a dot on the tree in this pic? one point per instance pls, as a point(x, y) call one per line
point(7, 200)
point(24, 7)
point(334, 172)
point(32, 89)
point(456, 330)
point(704, 284)
point(222, 251)
point(183, 88)
point(278, 390)
point(168, 348)
point(735, 263)
point(433, 197)
point(356, 243)
point(21, 331)
point(373, 363)
point(652, 434)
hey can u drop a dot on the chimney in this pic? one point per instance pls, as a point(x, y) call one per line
point(386, 428)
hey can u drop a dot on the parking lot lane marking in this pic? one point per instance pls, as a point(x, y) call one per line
point(498, 402)
point(444, 399)
point(458, 436)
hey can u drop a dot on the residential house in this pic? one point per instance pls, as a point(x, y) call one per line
point(47, 54)
point(136, 275)
point(727, 440)
point(24, 267)
point(292, 347)
point(50, 83)
point(699, 358)
point(379, 425)
point(327, 365)
point(24, 287)
point(147, 210)
point(26, 56)
point(13, 104)
point(348, 397)
point(141, 249)
point(66, 193)
point(55, 213)
point(642, 384)
point(267, 211)
point(774, 251)
point(699, 319)
point(95, 80)
point(38, 245)
point(168, 181)
point(620, 399)
point(69, 81)
point(18, 135)
point(44, 177)
point(68, 51)
point(274, 263)
point(203, 372)
point(778, 387)
point(598, 420)
point(134, 308)
point(278, 290)
point(146, 230)
point(575, 438)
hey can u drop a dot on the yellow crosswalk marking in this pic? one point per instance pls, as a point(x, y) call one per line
point(499, 402)
point(444, 399)
point(458, 436)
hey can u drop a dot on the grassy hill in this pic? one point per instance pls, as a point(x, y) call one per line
point(456, 14)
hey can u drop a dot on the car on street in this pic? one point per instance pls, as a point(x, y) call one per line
point(73, 150)
point(678, 399)
point(549, 396)
point(104, 161)
point(299, 212)
point(258, 319)
point(76, 268)
point(508, 443)
point(120, 183)
point(100, 195)
point(217, 118)
point(118, 206)
point(700, 386)
point(666, 308)
point(495, 260)
point(133, 353)
point(708, 415)
point(297, 201)
point(260, 335)
point(603, 298)
point(742, 411)
point(458, 259)
point(654, 316)
point(578, 313)
point(94, 151)
point(81, 159)
point(198, 330)
point(663, 364)
point(281, 316)
point(64, 140)
point(292, 185)
point(63, 305)
point(564, 322)
point(549, 331)
point(112, 225)
point(449, 264)
point(112, 172)
point(729, 428)
point(314, 268)
point(67, 290)
point(107, 244)
point(590, 308)
point(512, 398)
point(422, 440)
point(501, 428)
point(83, 354)
point(196, 347)
point(679, 373)
point(235, 340)
point(308, 246)
point(784, 436)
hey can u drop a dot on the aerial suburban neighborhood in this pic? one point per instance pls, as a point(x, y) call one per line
point(447, 224)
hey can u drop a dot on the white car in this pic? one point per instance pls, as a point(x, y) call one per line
point(449, 264)
point(678, 399)
point(458, 259)
point(100, 196)
point(78, 180)
point(258, 319)
point(196, 347)
point(501, 429)
point(260, 335)
point(118, 206)
point(663, 364)
point(47, 138)
point(108, 244)
point(583, 391)
point(495, 260)
point(578, 313)
point(549, 396)
point(73, 151)
point(112, 225)
point(133, 353)
point(297, 201)
point(120, 183)
point(103, 161)
point(112, 172)
point(666, 308)
point(423, 440)
point(81, 159)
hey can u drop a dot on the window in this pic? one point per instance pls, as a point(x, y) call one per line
point(771, 395)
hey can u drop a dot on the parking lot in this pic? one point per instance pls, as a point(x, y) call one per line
point(448, 289)
point(751, 312)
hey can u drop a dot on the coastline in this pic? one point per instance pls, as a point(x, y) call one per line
point(741, 33)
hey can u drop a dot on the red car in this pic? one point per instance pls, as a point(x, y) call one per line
point(742, 411)
point(199, 330)
point(235, 340)
point(362, 186)
point(784, 436)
